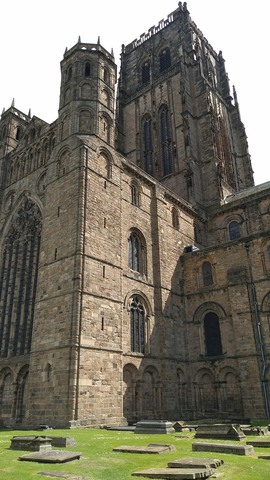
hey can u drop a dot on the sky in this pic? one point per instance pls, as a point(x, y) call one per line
point(34, 35)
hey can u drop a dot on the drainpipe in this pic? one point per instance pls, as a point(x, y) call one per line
point(259, 331)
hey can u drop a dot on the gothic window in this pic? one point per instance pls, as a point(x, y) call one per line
point(175, 218)
point(166, 141)
point(137, 325)
point(18, 280)
point(69, 74)
point(145, 73)
point(106, 75)
point(3, 132)
point(207, 274)
point(135, 194)
point(147, 145)
point(212, 335)
point(164, 60)
point(137, 253)
point(18, 133)
point(87, 69)
point(234, 230)
point(268, 253)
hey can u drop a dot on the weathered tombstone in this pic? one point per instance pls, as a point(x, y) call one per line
point(174, 473)
point(53, 456)
point(154, 426)
point(191, 462)
point(63, 441)
point(181, 426)
point(220, 431)
point(244, 450)
point(255, 430)
point(259, 443)
point(31, 443)
point(156, 448)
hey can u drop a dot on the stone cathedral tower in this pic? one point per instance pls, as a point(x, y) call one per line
point(135, 248)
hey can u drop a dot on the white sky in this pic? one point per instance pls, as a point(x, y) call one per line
point(35, 33)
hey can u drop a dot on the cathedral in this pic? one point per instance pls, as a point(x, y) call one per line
point(135, 247)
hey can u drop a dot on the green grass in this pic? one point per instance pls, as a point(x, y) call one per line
point(99, 462)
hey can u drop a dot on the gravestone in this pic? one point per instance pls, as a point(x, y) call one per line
point(154, 426)
point(31, 443)
point(181, 426)
point(53, 456)
point(255, 430)
point(63, 441)
point(153, 448)
point(174, 473)
point(259, 443)
point(244, 450)
point(191, 462)
point(222, 431)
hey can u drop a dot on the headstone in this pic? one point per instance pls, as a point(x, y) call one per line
point(222, 431)
point(53, 456)
point(181, 426)
point(31, 443)
point(191, 462)
point(154, 448)
point(174, 473)
point(244, 450)
point(154, 426)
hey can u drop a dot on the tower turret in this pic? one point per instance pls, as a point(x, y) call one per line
point(88, 77)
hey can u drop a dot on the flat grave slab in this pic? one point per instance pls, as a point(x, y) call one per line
point(154, 426)
point(264, 457)
point(259, 443)
point(52, 456)
point(190, 462)
point(255, 430)
point(244, 450)
point(222, 431)
point(67, 476)
point(174, 473)
point(151, 448)
point(31, 443)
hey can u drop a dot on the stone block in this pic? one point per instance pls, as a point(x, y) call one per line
point(63, 441)
point(174, 473)
point(220, 431)
point(53, 456)
point(259, 443)
point(181, 426)
point(31, 443)
point(191, 462)
point(151, 448)
point(154, 426)
point(244, 450)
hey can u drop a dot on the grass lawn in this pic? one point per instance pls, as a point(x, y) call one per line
point(99, 462)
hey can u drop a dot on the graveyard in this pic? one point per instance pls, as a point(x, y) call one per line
point(152, 450)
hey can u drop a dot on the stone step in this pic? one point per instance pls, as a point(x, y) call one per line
point(244, 450)
point(174, 473)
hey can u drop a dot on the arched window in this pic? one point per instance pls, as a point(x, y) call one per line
point(234, 230)
point(87, 69)
point(145, 73)
point(137, 325)
point(212, 335)
point(18, 133)
point(175, 218)
point(207, 274)
point(164, 60)
point(106, 75)
point(137, 253)
point(166, 140)
point(147, 145)
point(19, 271)
point(134, 194)
point(85, 122)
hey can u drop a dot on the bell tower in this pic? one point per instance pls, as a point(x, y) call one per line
point(88, 77)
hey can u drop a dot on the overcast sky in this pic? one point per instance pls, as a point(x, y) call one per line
point(34, 35)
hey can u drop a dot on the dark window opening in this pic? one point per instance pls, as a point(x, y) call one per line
point(234, 230)
point(87, 69)
point(147, 146)
point(212, 335)
point(164, 60)
point(207, 274)
point(137, 326)
point(166, 141)
point(145, 73)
